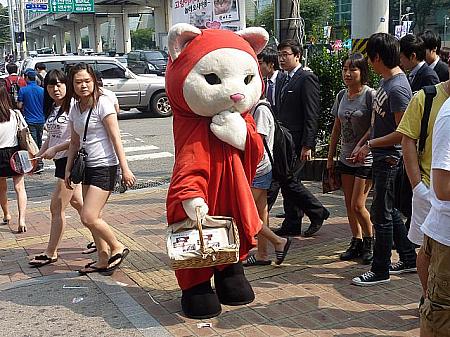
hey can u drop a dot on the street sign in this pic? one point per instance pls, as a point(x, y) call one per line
point(72, 6)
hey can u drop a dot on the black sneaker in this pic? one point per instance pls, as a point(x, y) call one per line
point(400, 268)
point(369, 279)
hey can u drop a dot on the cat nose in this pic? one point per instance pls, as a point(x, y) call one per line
point(237, 97)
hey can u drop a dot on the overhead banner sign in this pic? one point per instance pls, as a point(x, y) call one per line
point(61, 6)
point(220, 14)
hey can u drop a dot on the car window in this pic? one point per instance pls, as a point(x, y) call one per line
point(54, 65)
point(110, 70)
point(133, 56)
point(155, 55)
point(70, 64)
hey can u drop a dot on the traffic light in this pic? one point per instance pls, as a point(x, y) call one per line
point(20, 37)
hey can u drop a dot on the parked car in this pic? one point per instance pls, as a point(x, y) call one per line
point(123, 60)
point(148, 61)
point(146, 93)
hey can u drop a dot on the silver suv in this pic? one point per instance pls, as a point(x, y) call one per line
point(146, 92)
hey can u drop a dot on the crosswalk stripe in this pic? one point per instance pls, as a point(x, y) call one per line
point(149, 156)
point(140, 148)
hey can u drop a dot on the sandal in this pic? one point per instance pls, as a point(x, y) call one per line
point(91, 248)
point(281, 255)
point(90, 268)
point(42, 260)
point(252, 261)
point(117, 257)
point(5, 221)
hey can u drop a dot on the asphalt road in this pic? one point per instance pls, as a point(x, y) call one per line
point(148, 145)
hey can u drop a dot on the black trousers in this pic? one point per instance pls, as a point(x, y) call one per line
point(297, 199)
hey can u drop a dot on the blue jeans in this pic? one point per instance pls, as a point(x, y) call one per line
point(36, 131)
point(387, 220)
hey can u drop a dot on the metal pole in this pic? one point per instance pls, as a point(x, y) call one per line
point(400, 13)
point(445, 30)
point(23, 44)
point(11, 24)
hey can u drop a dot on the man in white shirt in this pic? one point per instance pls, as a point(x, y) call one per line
point(268, 64)
point(435, 311)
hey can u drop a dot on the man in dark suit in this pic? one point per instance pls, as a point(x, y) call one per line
point(432, 43)
point(412, 59)
point(270, 69)
point(297, 108)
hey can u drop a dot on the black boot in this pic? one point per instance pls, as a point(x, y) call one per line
point(367, 250)
point(353, 251)
point(200, 302)
point(232, 287)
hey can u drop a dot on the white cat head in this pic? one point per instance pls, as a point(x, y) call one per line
point(223, 79)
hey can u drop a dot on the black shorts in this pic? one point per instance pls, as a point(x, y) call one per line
point(103, 177)
point(60, 167)
point(364, 172)
point(5, 156)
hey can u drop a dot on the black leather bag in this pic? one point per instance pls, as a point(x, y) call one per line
point(78, 168)
point(79, 164)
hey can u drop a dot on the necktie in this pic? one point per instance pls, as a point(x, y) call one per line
point(411, 78)
point(285, 83)
point(269, 94)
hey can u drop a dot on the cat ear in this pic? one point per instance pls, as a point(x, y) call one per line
point(179, 36)
point(256, 36)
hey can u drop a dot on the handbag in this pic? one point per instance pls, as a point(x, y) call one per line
point(79, 164)
point(24, 137)
point(203, 243)
point(331, 180)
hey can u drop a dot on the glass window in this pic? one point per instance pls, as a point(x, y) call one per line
point(110, 70)
point(54, 65)
point(155, 55)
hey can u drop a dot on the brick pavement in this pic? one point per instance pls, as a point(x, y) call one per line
point(309, 295)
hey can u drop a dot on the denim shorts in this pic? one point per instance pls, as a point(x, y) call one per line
point(103, 177)
point(263, 182)
point(363, 172)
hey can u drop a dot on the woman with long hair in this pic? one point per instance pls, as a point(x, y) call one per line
point(8, 145)
point(353, 110)
point(55, 147)
point(104, 153)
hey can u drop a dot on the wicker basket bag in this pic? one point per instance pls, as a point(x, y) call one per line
point(197, 244)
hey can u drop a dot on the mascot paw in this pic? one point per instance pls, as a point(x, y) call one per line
point(200, 302)
point(232, 287)
point(230, 128)
point(190, 205)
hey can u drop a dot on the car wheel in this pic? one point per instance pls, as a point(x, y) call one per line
point(159, 105)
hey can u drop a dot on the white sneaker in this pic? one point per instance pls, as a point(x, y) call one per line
point(369, 279)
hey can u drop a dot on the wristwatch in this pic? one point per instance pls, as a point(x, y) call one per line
point(368, 144)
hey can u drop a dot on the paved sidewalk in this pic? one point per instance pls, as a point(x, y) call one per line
point(309, 295)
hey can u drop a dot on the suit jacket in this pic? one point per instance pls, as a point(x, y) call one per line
point(298, 108)
point(441, 70)
point(281, 76)
point(424, 76)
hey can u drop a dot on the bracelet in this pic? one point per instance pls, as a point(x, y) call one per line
point(368, 144)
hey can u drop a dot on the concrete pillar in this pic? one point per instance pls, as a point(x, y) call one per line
point(98, 36)
point(30, 43)
point(126, 32)
point(59, 39)
point(160, 24)
point(120, 46)
point(39, 42)
point(368, 17)
point(47, 40)
point(91, 32)
point(75, 38)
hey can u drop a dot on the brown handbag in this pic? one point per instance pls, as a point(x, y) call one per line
point(26, 141)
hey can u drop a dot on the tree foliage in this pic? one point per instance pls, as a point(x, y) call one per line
point(265, 19)
point(142, 38)
point(5, 34)
point(316, 13)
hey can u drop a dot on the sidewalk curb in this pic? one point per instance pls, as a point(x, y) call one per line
point(146, 324)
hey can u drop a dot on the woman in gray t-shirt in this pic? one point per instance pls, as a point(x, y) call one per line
point(352, 110)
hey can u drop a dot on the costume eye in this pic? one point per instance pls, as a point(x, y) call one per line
point(248, 79)
point(212, 79)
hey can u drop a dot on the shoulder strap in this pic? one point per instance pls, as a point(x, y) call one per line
point(340, 96)
point(266, 146)
point(86, 125)
point(430, 92)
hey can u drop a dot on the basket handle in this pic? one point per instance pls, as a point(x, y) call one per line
point(200, 231)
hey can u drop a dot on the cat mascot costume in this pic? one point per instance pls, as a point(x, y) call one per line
point(212, 82)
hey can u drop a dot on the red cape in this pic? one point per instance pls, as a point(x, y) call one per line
point(205, 166)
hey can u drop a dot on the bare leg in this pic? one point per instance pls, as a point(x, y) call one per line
point(361, 188)
point(266, 233)
point(4, 198)
point(347, 186)
point(21, 193)
point(107, 244)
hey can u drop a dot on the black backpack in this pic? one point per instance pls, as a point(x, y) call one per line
point(284, 155)
point(403, 190)
point(14, 88)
